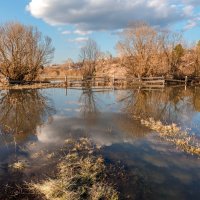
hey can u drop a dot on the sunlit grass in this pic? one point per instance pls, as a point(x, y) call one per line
point(81, 175)
point(19, 165)
point(174, 134)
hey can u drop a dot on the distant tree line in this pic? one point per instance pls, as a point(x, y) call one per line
point(146, 51)
point(143, 51)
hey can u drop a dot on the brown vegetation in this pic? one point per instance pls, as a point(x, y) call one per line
point(174, 134)
point(81, 175)
point(60, 71)
point(23, 52)
point(146, 51)
point(89, 55)
point(143, 52)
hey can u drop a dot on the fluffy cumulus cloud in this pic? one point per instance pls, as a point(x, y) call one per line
point(93, 15)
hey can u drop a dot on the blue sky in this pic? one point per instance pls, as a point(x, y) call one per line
point(71, 22)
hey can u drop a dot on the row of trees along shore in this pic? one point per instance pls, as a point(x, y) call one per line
point(142, 50)
point(146, 51)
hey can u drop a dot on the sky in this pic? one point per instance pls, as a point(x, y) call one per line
point(70, 23)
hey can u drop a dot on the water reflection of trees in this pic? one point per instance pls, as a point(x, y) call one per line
point(21, 111)
point(129, 126)
point(171, 104)
point(88, 102)
point(196, 99)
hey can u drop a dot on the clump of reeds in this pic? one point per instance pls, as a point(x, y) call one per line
point(81, 175)
point(174, 134)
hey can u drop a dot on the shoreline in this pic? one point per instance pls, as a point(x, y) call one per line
point(83, 85)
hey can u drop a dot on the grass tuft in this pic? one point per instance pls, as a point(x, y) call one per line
point(19, 165)
point(173, 133)
point(81, 175)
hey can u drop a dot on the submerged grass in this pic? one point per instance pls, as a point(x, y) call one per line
point(81, 175)
point(19, 165)
point(174, 134)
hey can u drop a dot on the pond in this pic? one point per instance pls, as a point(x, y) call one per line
point(34, 123)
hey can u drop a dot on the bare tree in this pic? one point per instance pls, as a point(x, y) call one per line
point(137, 47)
point(169, 41)
point(196, 59)
point(89, 56)
point(23, 51)
point(68, 63)
point(146, 51)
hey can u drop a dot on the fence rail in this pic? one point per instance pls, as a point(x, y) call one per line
point(110, 81)
point(75, 81)
point(103, 80)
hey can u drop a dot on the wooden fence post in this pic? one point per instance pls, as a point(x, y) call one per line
point(65, 79)
point(163, 80)
point(186, 79)
point(113, 79)
point(139, 79)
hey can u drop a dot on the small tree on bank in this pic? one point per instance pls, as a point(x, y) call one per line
point(89, 56)
point(177, 54)
point(23, 51)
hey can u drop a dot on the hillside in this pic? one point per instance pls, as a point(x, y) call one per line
point(104, 68)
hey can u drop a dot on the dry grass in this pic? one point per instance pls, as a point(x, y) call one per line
point(60, 71)
point(174, 134)
point(103, 191)
point(32, 86)
point(38, 154)
point(50, 155)
point(81, 175)
point(19, 165)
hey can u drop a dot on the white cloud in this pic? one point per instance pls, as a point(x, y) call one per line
point(188, 10)
point(79, 39)
point(76, 32)
point(66, 32)
point(80, 32)
point(191, 2)
point(63, 128)
point(93, 15)
point(191, 24)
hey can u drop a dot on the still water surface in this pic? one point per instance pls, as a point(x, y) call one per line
point(33, 123)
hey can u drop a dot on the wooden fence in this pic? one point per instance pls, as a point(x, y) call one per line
point(106, 80)
point(112, 81)
point(74, 81)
